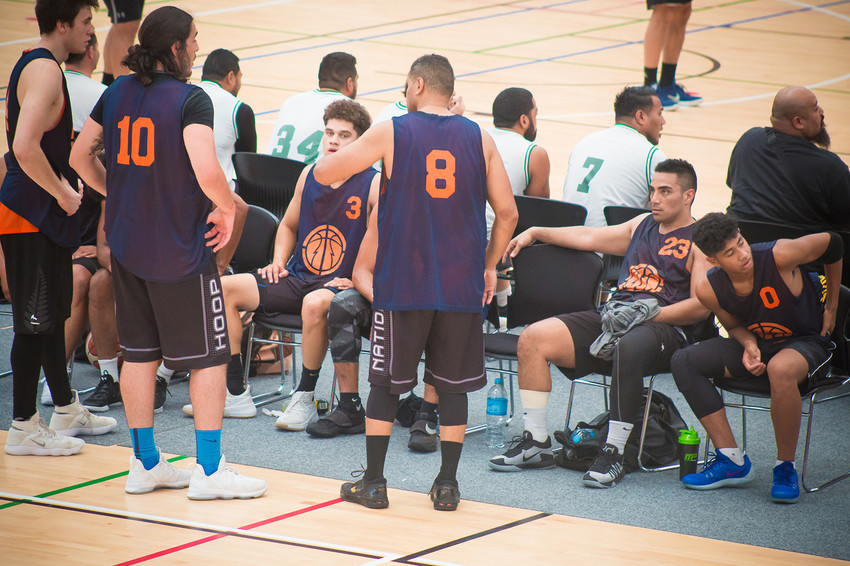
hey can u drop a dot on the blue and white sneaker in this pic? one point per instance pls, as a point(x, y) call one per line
point(678, 93)
point(666, 96)
point(720, 471)
point(785, 487)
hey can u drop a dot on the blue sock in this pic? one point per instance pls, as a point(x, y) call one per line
point(144, 447)
point(209, 449)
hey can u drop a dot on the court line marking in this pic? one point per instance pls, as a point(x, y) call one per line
point(83, 484)
point(819, 9)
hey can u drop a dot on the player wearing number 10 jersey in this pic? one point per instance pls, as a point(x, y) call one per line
point(432, 275)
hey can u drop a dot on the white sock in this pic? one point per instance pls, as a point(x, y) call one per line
point(111, 367)
point(164, 372)
point(618, 434)
point(734, 454)
point(534, 412)
point(778, 462)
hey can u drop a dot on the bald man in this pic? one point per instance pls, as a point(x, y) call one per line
point(785, 173)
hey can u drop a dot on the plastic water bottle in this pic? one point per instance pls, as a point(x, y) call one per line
point(497, 414)
point(582, 435)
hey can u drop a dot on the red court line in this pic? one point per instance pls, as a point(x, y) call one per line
point(205, 540)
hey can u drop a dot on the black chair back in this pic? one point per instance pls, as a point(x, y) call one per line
point(256, 245)
point(616, 215)
point(551, 280)
point(265, 180)
point(536, 211)
point(841, 334)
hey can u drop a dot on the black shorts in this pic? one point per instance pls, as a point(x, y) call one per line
point(285, 296)
point(453, 343)
point(41, 282)
point(90, 263)
point(122, 11)
point(652, 3)
point(814, 349)
point(183, 323)
point(586, 326)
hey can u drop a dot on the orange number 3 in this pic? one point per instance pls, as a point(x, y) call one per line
point(353, 212)
point(440, 181)
point(127, 150)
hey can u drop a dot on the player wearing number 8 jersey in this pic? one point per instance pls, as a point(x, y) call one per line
point(778, 331)
point(660, 270)
point(432, 274)
point(613, 167)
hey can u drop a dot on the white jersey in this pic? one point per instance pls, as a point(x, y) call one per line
point(225, 131)
point(389, 112)
point(300, 125)
point(515, 151)
point(84, 92)
point(612, 167)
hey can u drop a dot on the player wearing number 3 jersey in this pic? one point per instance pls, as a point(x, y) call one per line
point(434, 269)
point(660, 264)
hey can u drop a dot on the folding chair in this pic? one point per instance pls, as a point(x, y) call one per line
point(536, 211)
point(256, 246)
point(612, 263)
point(265, 180)
point(548, 281)
point(820, 390)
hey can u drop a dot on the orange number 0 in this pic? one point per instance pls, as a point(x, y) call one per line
point(354, 211)
point(769, 297)
point(127, 150)
point(445, 174)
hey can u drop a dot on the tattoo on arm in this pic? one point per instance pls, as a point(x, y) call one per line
point(97, 146)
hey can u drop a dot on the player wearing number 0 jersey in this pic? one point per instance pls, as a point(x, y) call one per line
point(778, 332)
point(662, 267)
point(613, 167)
point(297, 133)
point(433, 273)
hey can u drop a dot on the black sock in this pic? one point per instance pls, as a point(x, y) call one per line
point(668, 75)
point(349, 399)
point(108, 79)
point(235, 375)
point(427, 407)
point(450, 452)
point(376, 454)
point(309, 379)
point(650, 76)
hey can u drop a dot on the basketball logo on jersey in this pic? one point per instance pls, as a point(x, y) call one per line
point(769, 330)
point(643, 277)
point(323, 249)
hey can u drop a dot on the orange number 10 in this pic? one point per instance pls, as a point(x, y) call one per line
point(446, 174)
point(126, 150)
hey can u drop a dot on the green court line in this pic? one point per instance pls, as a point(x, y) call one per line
point(81, 485)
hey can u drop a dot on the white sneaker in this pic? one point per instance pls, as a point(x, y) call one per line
point(33, 438)
point(164, 474)
point(75, 419)
point(235, 406)
point(46, 397)
point(225, 483)
point(300, 412)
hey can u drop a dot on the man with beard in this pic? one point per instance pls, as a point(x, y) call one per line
point(613, 167)
point(785, 173)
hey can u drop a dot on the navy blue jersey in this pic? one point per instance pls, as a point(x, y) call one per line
point(331, 226)
point(432, 231)
point(21, 194)
point(656, 265)
point(771, 311)
point(156, 213)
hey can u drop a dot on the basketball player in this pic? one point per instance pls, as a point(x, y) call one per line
point(432, 273)
point(161, 174)
point(664, 38)
point(298, 132)
point(778, 331)
point(125, 15)
point(40, 230)
point(613, 167)
point(330, 221)
point(661, 268)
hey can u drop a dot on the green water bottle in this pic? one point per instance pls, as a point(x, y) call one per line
point(688, 449)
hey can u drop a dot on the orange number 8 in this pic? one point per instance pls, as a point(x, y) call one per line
point(445, 174)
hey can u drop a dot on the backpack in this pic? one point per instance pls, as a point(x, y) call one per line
point(660, 446)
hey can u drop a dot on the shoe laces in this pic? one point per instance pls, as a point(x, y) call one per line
point(359, 473)
point(784, 474)
point(45, 430)
point(519, 443)
point(102, 391)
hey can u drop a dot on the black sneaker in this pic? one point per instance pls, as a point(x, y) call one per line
point(159, 394)
point(607, 470)
point(371, 494)
point(445, 495)
point(423, 432)
point(349, 419)
point(525, 453)
point(107, 393)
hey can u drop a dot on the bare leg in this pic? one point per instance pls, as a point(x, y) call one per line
point(430, 394)
point(225, 254)
point(541, 343)
point(118, 41)
point(138, 382)
point(76, 324)
point(206, 391)
point(786, 370)
point(102, 314)
point(676, 18)
point(346, 376)
point(314, 336)
point(240, 292)
point(717, 427)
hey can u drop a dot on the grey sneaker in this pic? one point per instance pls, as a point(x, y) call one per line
point(607, 470)
point(525, 453)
